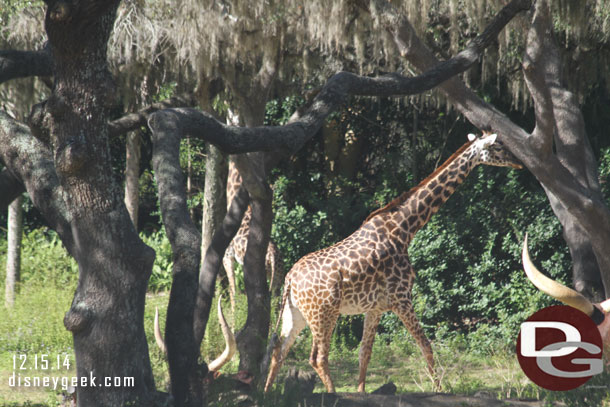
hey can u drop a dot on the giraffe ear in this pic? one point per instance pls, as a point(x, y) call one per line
point(472, 137)
point(492, 138)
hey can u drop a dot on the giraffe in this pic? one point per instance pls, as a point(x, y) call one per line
point(369, 271)
point(237, 249)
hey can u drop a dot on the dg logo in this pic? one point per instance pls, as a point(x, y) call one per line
point(559, 348)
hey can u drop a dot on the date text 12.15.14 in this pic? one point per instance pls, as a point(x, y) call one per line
point(41, 362)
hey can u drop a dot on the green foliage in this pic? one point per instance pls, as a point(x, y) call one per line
point(44, 259)
point(468, 266)
point(161, 277)
point(11, 7)
point(595, 392)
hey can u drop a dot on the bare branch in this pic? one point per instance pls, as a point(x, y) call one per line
point(213, 260)
point(182, 350)
point(536, 63)
point(133, 121)
point(31, 163)
point(21, 64)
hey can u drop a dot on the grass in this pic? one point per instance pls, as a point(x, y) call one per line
point(34, 326)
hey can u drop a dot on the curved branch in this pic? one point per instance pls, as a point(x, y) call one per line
point(291, 137)
point(213, 260)
point(133, 121)
point(31, 162)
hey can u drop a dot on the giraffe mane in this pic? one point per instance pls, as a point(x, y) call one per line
point(405, 195)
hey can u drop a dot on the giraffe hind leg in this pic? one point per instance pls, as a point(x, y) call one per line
point(407, 315)
point(293, 323)
point(371, 321)
point(322, 334)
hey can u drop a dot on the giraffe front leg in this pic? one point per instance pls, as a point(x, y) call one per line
point(407, 315)
point(371, 321)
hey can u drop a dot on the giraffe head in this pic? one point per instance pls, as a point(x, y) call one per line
point(490, 151)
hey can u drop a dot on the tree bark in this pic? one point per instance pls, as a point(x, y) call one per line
point(252, 338)
point(132, 176)
point(22, 64)
point(106, 317)
point(10, 187)
point(214, 196)
point(13, 258)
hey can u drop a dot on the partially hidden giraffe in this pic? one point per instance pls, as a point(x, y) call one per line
point(237, 248)
point(369, 272)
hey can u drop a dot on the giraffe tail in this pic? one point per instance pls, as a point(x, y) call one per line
point(283, 303)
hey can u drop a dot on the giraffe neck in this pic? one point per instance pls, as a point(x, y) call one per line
point(233, 183)
point(425, 199)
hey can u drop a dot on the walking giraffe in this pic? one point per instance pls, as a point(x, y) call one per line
point(369, 272)
point(237, 249)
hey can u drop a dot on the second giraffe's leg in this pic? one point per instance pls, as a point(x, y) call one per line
point(293, 323)
point(270, 267)
point(371, 321)
point(407, 315)
point(322, 333)
point(228, 263)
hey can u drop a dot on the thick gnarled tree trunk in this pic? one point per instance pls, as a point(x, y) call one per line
point(106, 316)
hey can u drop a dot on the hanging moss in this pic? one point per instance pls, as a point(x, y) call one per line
point(192, 39)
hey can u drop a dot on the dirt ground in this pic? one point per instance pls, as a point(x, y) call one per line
point(410, 400)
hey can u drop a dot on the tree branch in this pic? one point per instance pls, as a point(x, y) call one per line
point(20, 64)
point(182, 349)
point(31, 163)
point(289, 138)
point(10, 188)
point(213, 260)
point(133, 121)
point(537, 63)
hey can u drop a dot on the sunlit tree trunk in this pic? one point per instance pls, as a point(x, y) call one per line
point(13, 258)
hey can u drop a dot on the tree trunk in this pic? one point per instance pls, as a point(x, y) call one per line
point(214, 196)
point(214, 193)
point(586, 275)
point(252, 339)
point(106, 317)
point(13, 258)
point(132, 176)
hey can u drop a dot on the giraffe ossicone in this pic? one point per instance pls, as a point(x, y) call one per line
point(369, 271)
